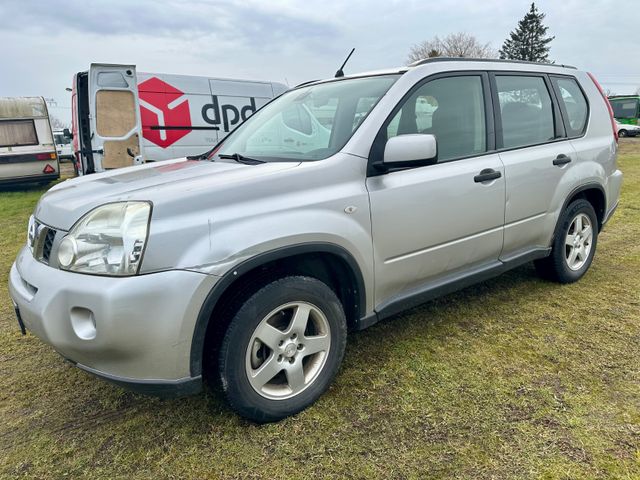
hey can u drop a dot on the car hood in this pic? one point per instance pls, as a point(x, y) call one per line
point(66, 202)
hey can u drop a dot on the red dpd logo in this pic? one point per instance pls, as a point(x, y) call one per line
point(164, 112)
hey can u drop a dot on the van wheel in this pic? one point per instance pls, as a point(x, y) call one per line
point(574, 244)
point(282, 349)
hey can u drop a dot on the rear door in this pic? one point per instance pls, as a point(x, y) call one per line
point(536, 155)
point(115, 120)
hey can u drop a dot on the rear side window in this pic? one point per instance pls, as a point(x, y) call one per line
point(575, 105)
point(526, 110)
point(17, 133)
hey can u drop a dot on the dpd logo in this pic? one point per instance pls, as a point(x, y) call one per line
point(164, 111)
point(226, 114)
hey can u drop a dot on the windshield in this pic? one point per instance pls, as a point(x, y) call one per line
point(60, 139)
point(308, 123)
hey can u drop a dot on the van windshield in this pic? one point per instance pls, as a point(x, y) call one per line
point(308, 123)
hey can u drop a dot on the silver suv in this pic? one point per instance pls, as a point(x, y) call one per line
point(338, 204)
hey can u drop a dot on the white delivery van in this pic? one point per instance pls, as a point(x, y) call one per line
point(122, 118)
point(27, 151)
point(63, 144)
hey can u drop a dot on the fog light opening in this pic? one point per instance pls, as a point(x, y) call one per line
point(83, 322)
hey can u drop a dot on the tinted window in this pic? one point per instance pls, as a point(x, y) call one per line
point(526, 110)
point(574, 103)
point(450, 108)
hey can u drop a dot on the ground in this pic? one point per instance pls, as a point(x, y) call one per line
point(513, 378)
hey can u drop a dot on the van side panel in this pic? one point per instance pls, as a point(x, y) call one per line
point(185, 115)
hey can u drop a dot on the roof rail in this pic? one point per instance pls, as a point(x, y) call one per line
point(306, 83)
point(500, 60)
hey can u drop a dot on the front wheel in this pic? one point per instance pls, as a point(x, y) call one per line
point(283, 348)
point(574, 244)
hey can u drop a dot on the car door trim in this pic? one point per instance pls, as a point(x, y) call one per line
point(449, 243)
point(443, 286)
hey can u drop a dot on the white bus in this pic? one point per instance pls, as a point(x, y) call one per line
point(122, 118)
point(27, 149)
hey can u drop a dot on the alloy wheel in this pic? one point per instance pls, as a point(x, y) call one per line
point(578, 241)
point(287, 350)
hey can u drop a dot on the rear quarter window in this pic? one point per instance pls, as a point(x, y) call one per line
point(576, 109)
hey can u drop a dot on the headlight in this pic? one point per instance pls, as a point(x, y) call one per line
point(108, 240)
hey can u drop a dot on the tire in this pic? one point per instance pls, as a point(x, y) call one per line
point(571, 255)
point(282, 349)
point(622, 133)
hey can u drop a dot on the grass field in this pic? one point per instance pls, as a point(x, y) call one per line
point(513, 378)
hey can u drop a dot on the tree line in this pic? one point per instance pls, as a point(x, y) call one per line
point(529, 41)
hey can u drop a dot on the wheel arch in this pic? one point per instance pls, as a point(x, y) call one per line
point(326, 261)
point(594, 193)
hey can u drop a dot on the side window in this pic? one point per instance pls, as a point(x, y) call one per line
point(574, 103)
point(452, 109)
point(526, 110)
point(17, 133)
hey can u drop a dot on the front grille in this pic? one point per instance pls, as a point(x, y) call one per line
point(47, 244)
point(41, 238)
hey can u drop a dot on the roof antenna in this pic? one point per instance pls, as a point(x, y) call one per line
point(340, 73)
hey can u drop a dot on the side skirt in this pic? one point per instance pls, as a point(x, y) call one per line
point(438, 288)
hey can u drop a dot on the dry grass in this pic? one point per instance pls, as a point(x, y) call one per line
point(513, 378)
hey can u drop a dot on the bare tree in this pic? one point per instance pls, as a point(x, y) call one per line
point(459, 44)
point(57, 124)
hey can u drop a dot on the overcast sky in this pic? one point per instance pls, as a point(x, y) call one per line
point(43, 43)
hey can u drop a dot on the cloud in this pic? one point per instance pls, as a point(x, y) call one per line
point(46, 42)
point(254, 23)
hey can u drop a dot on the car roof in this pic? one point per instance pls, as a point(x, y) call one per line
point(428, 61)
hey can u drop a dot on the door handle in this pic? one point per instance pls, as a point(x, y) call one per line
point(486, 175)
point(561, 159)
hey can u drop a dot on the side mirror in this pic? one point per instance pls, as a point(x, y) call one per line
point(66, 133)
point(412, 149)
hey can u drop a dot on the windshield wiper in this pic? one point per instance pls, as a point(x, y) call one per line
point(240, 158)
point(200, 156)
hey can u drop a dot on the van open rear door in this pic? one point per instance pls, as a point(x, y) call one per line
point(115, 121)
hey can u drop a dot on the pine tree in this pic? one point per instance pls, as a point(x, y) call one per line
point(528, 41)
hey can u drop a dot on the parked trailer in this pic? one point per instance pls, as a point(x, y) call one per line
point(123, 118)
point(27, 149)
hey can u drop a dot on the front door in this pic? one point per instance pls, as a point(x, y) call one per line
point(434, 222)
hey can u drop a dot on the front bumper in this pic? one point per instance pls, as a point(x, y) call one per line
point(133, 331)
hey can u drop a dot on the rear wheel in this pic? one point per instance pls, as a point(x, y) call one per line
point(282, 349)
point(574, 244)
point(622, 133)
